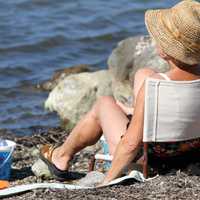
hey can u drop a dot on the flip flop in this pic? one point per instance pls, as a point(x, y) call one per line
point(46, 155)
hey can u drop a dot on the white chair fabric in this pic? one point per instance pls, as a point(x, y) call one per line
point(172, 110)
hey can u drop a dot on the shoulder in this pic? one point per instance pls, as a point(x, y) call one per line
point(157, 76)
point(141, 92)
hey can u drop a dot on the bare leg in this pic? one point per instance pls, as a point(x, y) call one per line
point(113, 122)
point(105, 116)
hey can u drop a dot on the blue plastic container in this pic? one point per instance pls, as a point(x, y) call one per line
point(6, 159)
point(105, 147)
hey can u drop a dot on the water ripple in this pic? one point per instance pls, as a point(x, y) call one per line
point(41, 36)
point(45, 44)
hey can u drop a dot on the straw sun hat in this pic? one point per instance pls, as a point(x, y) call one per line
point(177, 30)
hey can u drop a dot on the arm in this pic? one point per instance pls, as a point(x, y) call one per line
point(129, 144)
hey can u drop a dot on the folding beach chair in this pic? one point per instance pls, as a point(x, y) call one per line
point(172, 113)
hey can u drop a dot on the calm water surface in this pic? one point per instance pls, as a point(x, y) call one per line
point(38, 37)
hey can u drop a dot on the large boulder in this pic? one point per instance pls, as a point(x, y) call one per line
point(122, 91)
point(145, 55)
point(121, 59)
point(75, 95)
point(130, 55)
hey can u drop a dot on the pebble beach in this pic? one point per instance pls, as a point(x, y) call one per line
point(177, 183)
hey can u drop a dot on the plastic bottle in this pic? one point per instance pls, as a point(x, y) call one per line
point(3, 142)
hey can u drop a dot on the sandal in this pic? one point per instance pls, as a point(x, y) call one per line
point(46, 155)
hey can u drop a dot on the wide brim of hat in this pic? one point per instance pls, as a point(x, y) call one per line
point(164, 39)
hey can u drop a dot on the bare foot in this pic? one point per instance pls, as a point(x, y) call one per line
point(61, 161)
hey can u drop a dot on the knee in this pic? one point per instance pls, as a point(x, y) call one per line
point(104, 100)
point(101, 102)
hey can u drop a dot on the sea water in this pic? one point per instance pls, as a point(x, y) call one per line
point(38, 37)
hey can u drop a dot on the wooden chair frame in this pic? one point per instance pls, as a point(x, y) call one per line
point(145, 161)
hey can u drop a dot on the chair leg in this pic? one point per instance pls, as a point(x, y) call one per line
point(145, 164)
point(91, 163)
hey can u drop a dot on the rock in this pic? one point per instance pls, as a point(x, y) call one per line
point(40, 169)
point(132, 54)
point(35, 152)
point(121, 59)
point(145, 55)
point(61, 74)
point(75, 95)
point(194, 168)
point(90, 150)
point(122, 91)
point(91, 179)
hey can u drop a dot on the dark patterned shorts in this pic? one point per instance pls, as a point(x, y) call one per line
point(169, 149)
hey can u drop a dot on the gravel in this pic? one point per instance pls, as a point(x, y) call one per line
point(179, 181)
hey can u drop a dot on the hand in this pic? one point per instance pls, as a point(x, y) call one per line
point(127, 110)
